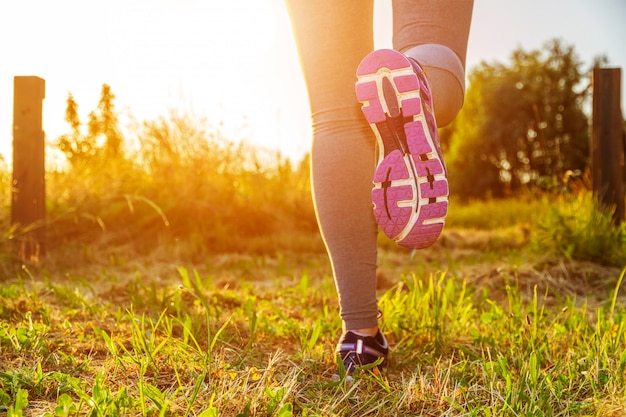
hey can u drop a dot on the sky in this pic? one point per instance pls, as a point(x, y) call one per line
point(235, 61)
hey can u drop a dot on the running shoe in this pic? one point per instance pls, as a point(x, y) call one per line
point(410, 192)
point(358, 351)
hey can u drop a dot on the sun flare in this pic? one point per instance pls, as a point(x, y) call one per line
point(224, 60)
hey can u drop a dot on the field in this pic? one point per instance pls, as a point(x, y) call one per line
point(187, 277)
point(490, 321)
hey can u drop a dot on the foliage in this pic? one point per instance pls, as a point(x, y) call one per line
point(579, 229)
point(222, 188)
point(182, 181)
point(520, 122)
point(118, 334)
point(182, 186)
point(112, 330)
point(103, 139)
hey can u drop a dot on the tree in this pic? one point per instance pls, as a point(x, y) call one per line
point(520, 123)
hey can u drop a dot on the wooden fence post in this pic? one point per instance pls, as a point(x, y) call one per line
point(28, 196)
point(607, 141)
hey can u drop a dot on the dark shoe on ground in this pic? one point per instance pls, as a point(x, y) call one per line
point(358, 351)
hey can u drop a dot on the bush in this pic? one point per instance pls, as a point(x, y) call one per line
point(179, 181)
point(577, 228)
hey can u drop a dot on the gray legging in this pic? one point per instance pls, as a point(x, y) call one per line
point(332, 37)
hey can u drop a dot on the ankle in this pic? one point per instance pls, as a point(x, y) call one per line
point(367, 331)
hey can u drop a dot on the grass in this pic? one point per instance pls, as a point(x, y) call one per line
point(253, 336)
point(189, 279)
point(505, 316)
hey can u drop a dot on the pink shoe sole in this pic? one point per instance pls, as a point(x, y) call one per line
point(410, 192)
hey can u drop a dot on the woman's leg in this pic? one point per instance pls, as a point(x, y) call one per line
point(435, 34)
point(332, 37)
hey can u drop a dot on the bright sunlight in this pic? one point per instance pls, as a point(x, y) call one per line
point(228, 61)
